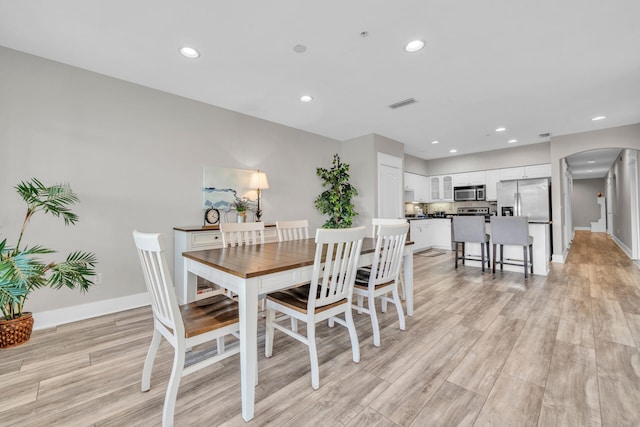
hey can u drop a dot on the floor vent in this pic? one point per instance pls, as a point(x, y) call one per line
point(399, 104)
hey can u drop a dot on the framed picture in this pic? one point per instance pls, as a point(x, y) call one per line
point(222, 186)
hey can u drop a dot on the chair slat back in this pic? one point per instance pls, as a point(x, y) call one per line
point(292, 230)
point(238, 234)
point(468, 228)
point(388, 255)
point(158, 280)
point(377, 222)
point(510, 230)
point(335, 265)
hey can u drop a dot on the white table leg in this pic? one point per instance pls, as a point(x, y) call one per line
point(408, 280)
point(248, 305)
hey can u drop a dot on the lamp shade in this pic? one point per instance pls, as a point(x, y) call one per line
point(259, 181)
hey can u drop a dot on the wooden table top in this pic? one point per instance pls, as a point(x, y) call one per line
point(257, 260)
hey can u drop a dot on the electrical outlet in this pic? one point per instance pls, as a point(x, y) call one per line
point(97, 280)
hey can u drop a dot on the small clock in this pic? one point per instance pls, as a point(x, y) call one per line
point(212, 216)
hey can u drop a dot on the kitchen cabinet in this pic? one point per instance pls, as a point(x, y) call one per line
point(538, 171)
point(422, 234)
point(492, 177)
point(441, 188)
point(409, 183)
point(525, 172)
point(419, 185)
point(469, 178)
point(441, 229)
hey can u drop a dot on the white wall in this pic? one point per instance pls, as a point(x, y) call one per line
point(134, 155)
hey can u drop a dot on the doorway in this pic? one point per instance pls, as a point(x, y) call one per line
point(390, 190)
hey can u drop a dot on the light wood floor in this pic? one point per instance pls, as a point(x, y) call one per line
point(480, 350)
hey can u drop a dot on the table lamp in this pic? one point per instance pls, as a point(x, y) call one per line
point(259, 182)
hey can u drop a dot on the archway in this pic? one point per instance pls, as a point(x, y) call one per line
point(623, 137)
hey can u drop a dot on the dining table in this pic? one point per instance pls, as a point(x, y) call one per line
point(253, 270)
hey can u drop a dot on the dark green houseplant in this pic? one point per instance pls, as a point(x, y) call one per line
point(21, 271)
point(335, 201)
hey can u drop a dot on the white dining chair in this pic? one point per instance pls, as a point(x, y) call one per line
point(242, 233)
point(325, 297)
point(375, 224)
point(382, 277)
point(184, 327)
point(292, 230)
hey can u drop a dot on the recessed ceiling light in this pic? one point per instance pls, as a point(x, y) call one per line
point(596, 118)
point(299, 48)
point(189, 52)
point(590, 170)
point(414, 46)
point(306, 98)
point(501, 129)
point(435, 142)
point(591, 161)
point(453, 150)
point(511, 141)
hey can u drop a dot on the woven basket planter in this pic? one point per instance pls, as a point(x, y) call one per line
point(17, 331)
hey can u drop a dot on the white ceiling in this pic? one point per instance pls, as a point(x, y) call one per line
point(593, 163)
point(531, 66)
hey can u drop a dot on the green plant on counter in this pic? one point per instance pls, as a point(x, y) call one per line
point(21, 271)
point(335, 201)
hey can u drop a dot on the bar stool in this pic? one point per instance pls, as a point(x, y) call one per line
point(471, 229)
point(512, 230)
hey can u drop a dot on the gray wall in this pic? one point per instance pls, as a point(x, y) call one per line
point(134, 155)
point(532, 154)
point(585, 207)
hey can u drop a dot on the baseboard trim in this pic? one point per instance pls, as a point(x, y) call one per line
point(622, 246)
point(53, 318)
point(582, 228)
point(558, 258)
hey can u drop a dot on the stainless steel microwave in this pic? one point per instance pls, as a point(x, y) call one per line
point(470, 193)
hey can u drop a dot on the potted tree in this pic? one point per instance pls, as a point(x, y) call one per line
point(335, 201)
point(21, 271)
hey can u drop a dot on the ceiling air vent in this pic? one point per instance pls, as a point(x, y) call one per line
point(545, 135)
point(399, 104)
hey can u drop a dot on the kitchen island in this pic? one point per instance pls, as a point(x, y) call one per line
point(430, 233)
point(541, 233)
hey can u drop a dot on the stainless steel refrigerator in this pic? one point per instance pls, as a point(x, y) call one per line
point(525, 197)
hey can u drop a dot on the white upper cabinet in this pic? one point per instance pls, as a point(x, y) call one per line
point(538, 171)
point(511, 173)
point(441, 188)
point(435, 191)
point(447, 188)
point(492, 178)
point(534, 171)
point(418, 185)
point(469, 178)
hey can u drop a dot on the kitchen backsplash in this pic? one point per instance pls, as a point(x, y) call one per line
point(447, 207)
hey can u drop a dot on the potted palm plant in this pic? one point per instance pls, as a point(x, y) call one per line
point(21, 271)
